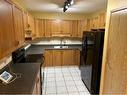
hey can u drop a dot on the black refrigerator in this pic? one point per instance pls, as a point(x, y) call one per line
point(91, 60)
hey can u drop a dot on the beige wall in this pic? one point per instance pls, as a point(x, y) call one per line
point(96, 13)
point(66, 16)
point(112, 4)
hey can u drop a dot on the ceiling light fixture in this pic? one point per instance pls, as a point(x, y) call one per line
point(67, 4)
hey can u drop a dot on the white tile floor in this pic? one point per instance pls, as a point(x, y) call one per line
point(64, 80)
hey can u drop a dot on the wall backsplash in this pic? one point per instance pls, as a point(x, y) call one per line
point(5, 61)
point(58, 41)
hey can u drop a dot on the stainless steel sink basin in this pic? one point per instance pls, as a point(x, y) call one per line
point(59, 47)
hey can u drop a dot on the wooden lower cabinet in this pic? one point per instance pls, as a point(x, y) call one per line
point(57, 57)
point(62, 57)
point(68, 58)
point(48, 58)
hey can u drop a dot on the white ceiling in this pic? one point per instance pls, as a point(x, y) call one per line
point(80, 6)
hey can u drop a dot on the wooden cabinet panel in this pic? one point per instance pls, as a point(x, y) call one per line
point(48, 58)
point(60, 28)
point(18, 26)
point(31, 22)
point(66, 28)
point(74, 28)
point(76, 57)
point(62, 57)
point(88, 25)
point(116, 55)
point(25, 20)
point(102, 20)
point(57, 57)
point(97, 22)
point(40, 28)
point(82, 24)
point(37, 28)
point(68, 58)
point(7, 39)
point(56, 27)
point(48, 32)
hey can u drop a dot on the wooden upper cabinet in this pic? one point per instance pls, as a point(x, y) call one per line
point(25, 20)
point(74, 32)
point(18, 26)
point(66, 28)
point(7, 39)
point(36, 27)
point(41, 29)
point(31, 23)
point(96, 22)
point(48, 32)
point(60, 28)
point(102, 20)
point(56, 28)
point(88, 25)
point(82, 26)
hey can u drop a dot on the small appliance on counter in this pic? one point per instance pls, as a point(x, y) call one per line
point(91, 60)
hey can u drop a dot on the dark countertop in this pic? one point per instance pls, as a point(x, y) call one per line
point(39, 49)
point(23, 85)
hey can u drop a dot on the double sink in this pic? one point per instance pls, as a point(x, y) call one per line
point(60, 47)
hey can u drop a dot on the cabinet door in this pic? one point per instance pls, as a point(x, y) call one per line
point(88, 25)
point(48, 58)
point(74, 28)
point(82, 24)
point(91, 23)
point(32, 26)
point(39, 27)
point(116, 55)
point(102, 20)
point(56, 27)
point(76, 57)
point(66, 28)
point(48, 28)
point(25, 20)
point(7, 39)
point(18, 26)
point(57, 57)
point(68, 57)
point(96, 22)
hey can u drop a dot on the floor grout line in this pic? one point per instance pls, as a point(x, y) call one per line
point(55, 71)
point(65, 83)
point(74, 82)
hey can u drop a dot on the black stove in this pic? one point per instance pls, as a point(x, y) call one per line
point(19, 56)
